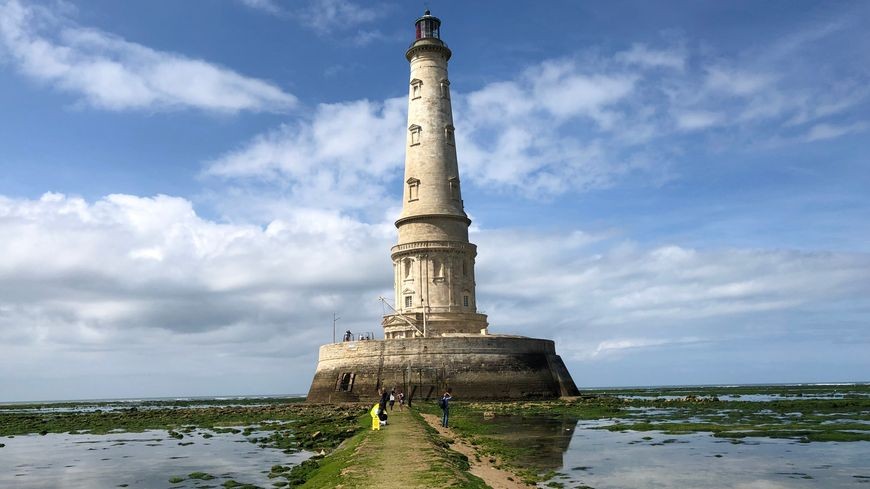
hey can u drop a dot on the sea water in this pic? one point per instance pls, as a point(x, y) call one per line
point(137, 460)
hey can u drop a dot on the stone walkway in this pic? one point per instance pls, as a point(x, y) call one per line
point(407, 454)
point(399, 455)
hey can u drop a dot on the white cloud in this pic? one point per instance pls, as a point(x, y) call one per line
point(266, 5)
point(562, 90)
point(603, 296)
point(693, 120)
point(611, 346)
point(737, 82)
point(115, 74)
point(325, 16)
point(640, 54)
point(508, 135)
point(560, 126)
point(132, 262)
point(128, 278)
point(339, 158)
point(829, 131)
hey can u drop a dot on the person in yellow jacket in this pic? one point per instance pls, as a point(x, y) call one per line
point(376, 421)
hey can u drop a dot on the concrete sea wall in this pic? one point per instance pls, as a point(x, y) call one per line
point(475, 367)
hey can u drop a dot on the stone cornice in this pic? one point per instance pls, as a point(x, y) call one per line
point(418, 246)
point(423, 217)
point(434, 45)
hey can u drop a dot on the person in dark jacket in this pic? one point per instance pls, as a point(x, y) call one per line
point(385, 398)
point(444, 403)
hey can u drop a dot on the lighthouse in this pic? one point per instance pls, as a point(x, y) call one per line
point(433, 262)
point(434, 337)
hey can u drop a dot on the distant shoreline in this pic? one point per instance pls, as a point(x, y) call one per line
point(243, 397)
point(157, 399)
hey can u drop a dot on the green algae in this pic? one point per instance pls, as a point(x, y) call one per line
point(447, 464)
point(845, 390)
point(200, 476)
point(800, 413)
point(290, 426)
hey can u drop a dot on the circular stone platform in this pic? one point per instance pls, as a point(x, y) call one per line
point(476, 367)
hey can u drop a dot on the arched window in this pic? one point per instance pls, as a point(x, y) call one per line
point(445, 89)
point(448, 135)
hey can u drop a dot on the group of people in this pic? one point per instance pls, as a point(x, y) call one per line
point(379, 410)
point(348, 336)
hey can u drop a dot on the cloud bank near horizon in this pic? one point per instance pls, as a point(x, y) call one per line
point(129, 275)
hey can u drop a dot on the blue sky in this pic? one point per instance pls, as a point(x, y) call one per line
point(676, 192)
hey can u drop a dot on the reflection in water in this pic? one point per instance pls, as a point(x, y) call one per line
point(548, 436)
point(143, 460)
point(584, 456)
point(603, 459)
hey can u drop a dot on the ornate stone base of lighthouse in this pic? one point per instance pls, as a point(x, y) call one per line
point(496, 367)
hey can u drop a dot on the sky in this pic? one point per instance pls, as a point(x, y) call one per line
point(674, 192)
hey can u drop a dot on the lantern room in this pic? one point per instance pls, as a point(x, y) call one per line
point(428, 27)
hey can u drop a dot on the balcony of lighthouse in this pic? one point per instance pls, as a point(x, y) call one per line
point(417, 246)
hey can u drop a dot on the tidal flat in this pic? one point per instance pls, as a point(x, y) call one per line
point(741, 437)
point(172, 443)
point(738, 436)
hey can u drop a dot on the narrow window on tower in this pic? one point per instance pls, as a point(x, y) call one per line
point(448, 134)
point(438, 269)
point(465, 300)
point(413, 189)
point(464, 268)
point(415, 131)
point(445, 89)
point(416, 88)
point(454, 189)
point(409, 301)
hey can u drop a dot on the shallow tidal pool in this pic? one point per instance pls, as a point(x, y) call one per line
point(610, 460)
point(137, 460)
point(583, 456)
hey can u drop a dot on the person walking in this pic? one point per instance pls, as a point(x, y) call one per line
point(401, 401)
point(444, 403)
point(385, 398)
point(392, 399)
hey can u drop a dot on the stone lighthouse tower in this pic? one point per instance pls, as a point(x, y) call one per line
point(435, 337)
point(433, 262)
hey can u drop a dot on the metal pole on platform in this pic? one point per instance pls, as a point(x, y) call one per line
point(334, 319)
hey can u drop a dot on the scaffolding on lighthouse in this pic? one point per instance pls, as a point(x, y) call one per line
point(404, 318)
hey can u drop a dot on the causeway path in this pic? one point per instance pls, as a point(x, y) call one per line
point(408, 453)
point(398, 455)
